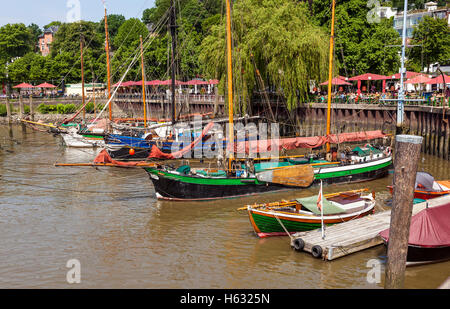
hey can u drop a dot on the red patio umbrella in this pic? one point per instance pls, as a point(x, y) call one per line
point(419, 79)
point(125, 84)
point(24, 85)
point(336, 81)
point(439, 80)
point(213, 81)
point(197, 82)
point(409, 75)
point(45, 85)
point(369, 76)
point(169, 82)
point(153, 82)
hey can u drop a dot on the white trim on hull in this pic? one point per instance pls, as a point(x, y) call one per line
point(79, 141)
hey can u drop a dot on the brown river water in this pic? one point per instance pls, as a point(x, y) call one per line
point(110, 221)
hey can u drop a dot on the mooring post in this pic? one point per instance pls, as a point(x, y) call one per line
point(8, 108)
point(407, 153)
point(21, 109)
point(31, 108)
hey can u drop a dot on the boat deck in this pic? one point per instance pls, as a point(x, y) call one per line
point(352, 236)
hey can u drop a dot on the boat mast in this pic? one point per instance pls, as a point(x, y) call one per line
point(143, 83)
point(401, 93)
point(107, 65)
point(230, 88)
point(173, 34)
point(82, 78)
point(330, 74)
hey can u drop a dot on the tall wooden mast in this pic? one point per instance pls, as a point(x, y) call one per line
point(143, 83)
point(107, 65)
point(173, 27)
point(230, 87)
point(82, 78)
point(330, 73)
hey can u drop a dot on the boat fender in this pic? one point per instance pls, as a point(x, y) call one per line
point(299, 244)
point(316, 251)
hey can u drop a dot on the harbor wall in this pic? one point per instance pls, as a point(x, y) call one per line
point(431, 122)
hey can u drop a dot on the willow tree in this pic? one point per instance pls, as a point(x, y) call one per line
point(274, 37)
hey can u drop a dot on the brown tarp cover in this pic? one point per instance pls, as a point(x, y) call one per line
point(429, 228)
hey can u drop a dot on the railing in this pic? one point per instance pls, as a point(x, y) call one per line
point(438, 101)
point(191, 98)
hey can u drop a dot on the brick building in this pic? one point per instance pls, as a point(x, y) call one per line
point(46, 39)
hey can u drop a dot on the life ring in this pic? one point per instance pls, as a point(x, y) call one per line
point(388, 151)
point(316, 251)
point(299, 244)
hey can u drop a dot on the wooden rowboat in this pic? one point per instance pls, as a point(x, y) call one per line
point(427, 188)
point(302, 214)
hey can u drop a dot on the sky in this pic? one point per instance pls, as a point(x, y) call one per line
point(42, 12)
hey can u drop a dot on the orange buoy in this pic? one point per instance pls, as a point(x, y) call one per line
point(131, 152)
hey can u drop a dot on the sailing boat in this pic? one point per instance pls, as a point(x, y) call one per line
point(74, 135)
point(186, 183)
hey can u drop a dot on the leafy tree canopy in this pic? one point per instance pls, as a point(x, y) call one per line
point(275, 37)
point(432, 37)
point(360, 46)
point(15, 41)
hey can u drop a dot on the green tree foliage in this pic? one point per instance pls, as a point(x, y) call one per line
point(15, 41)
point(68, 36)
point(413, 4)
point(127, 41)
point(433, 37)
point(277, 38)
point(360, 46)
point(189, 11)
point(20, 68)
point(66, 52)
point(35, 31)
point(53, 23)
point(114, 23)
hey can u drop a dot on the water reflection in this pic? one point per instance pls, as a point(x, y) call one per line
point(109, 219)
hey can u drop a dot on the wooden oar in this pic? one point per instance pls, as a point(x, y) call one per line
point(294, 176)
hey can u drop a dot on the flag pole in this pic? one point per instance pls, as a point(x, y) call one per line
point(321, 210)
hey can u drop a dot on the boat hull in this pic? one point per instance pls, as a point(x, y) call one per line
point(425, 195)
point(422, 255)
point(173, 186)
point(83, 141)
point(265, 223)
point(183, 188)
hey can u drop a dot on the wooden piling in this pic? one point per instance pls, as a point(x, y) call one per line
point(407, 152)
point(31, 108)
point(8, 109)
point(21, 109)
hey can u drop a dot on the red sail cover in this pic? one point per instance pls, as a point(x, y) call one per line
point(429, 228)
point(255, 146)
point(104, 157)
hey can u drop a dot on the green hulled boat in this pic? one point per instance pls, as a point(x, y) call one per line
point(302, 214)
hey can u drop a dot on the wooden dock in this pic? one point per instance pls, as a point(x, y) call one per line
point(345, 238)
